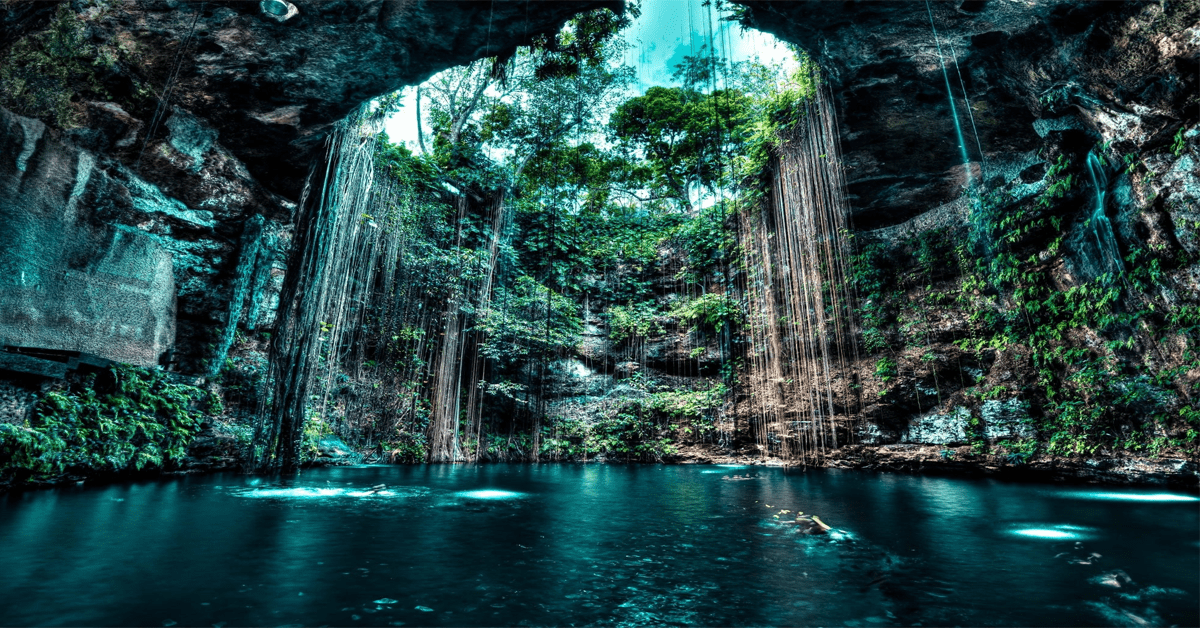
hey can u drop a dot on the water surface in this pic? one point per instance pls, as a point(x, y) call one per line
point(595, 544)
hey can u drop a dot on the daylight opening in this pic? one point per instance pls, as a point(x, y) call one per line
point(647, 208)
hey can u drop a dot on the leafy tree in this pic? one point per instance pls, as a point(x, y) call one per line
point(517, 326)
point(683, 135)
point(587, 40)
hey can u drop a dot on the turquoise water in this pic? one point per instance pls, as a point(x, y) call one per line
point(595, 544)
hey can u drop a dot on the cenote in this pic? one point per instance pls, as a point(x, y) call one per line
point(599, 312)
point(487, 545)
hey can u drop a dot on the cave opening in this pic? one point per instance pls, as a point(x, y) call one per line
point(560, 253)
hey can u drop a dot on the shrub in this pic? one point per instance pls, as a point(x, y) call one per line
point(885, 369)
point(714, 309)
point(147, 422)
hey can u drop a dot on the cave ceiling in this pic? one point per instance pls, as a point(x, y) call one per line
point(272, 87)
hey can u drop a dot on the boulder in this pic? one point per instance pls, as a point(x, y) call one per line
point(332, 450)
point(939, 429)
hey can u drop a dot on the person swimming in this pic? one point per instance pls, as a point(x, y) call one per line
point(811, 524)
point(740, 477)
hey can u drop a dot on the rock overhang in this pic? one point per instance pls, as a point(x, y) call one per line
point(883, 63)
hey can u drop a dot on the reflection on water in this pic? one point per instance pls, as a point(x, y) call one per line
point(1131, 496)
point(594, 544)
point(489, 494)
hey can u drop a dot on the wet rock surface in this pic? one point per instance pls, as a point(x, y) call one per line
point(939, 429)
point(333, 451)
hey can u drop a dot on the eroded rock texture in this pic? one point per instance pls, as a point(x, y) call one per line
point(210, 172)
point(71, 282)
point(1122, 71)
point(98, 260)
point(270, 89)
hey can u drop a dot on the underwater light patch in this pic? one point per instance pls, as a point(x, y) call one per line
point(724, 468)
point(1053, 532)
point(840, 535)
point(1042, 533)
point(490, 494)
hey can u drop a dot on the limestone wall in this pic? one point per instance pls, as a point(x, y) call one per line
point(67, 282)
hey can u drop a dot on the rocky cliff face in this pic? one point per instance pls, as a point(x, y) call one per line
point(182, 205)
point(207, 174)
point(102, 261)
point(73, 282)
point(1004, 158)
point(1013, 73)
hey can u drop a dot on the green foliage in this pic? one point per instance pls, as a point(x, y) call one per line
point(527, 319)
point(886, 369)
point(421, 173)
point(1089, 393)
point(588, 39)
point(407, 448)
point(635, 320)
point(1056, 186)
point(682, 134)
point(689, 404)
point(713, 309)
point(704, 239)
point(622, 435)
point(934, 253)
point(44, 72)
point(869, 276)
point(1177, 144)
point(638, 429)
point(147, 422)
point(314, 428)
point(779, 106)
